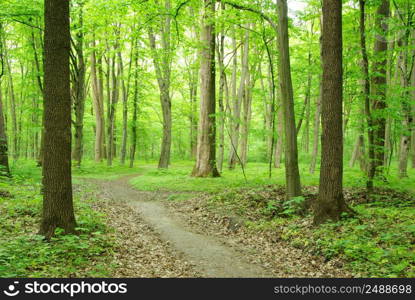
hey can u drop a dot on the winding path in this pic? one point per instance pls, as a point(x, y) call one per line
point(209, 256)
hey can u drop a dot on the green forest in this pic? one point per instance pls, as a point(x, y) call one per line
point(207, 138)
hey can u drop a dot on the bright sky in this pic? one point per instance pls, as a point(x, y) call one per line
point(295, 5)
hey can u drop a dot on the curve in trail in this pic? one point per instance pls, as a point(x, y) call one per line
point(209, 256)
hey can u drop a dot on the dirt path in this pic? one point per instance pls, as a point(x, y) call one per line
point(209, 256)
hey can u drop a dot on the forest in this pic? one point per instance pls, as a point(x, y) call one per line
point(143, 138)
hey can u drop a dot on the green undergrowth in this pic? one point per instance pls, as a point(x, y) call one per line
point(177, 178)
point(378, 242)
point(23, 253)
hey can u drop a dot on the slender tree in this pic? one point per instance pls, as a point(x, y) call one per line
point(379, 94)
point(78, 92)
point(162, 64)
point(4, 157)
point(292, 174)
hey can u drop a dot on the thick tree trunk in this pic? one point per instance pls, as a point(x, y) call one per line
point(57, 182)
point(330, 202)
point(292, 174)
point(206, 141)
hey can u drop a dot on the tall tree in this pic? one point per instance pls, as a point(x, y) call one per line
point(57, 182)
point(206, 139)
point(292, 174)
point(162, 64)
point(330, 202)
point(379, 93)
point(78, 93)
point(4, 157)
point(98, 103)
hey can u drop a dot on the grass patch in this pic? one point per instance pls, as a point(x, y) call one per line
point(23, 253)
point(177, 178)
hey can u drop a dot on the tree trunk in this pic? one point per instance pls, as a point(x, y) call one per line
point(406, 108)
point(379, 94)
point(113, 100)
point(330, 202)
point(4, 157)
point(280, 139)
point(162, 64)
point(292, 174)
point(413, 107)
point(124, 110)
point(57, 182)
point(98, 103)
point(206, 141)
point(236, 110)
point(79, 70)
point(222, 82)
point(12, 99)
point(135, 112)
point(245, 100)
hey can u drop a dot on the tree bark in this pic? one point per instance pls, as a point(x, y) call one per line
point(79, 74)
point(222, 82)
point(124, 110)
point(12, 100)
point(330, 202)
point(4, 157)
point(98, 102)
point(379, 94)
point(413, 106)
point(162, 64)
point(57, 182)
point(113, 100)
point(206, 141)
point(405, 79)
point(245, 100)
point(236, 109)
point(292, 174)
point(135, 113)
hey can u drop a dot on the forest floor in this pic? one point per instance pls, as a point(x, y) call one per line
point(194, 243)
point(147, 222)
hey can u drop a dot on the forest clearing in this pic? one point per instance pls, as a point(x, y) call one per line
point(207, 138)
